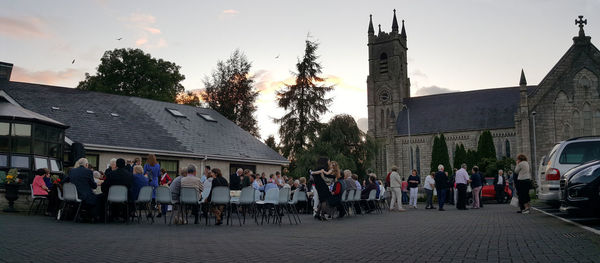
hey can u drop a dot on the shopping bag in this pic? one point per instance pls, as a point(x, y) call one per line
point(514, 201)
point(434, 192)
point(170, 208)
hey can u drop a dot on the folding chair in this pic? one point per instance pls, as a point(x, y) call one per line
point(40, 199)
point(164, 197)
point(116, 194)
point(188, 197)
point(70, 196)
point(144, 200)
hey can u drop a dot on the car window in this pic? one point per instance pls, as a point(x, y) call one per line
point(580, 152)
point(552, 152)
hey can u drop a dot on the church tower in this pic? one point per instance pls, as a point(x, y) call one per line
point(388, 86)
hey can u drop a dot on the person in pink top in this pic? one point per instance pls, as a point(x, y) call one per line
point(404, 191)
point(38, 185)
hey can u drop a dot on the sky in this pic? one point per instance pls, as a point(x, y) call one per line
point(455, 45)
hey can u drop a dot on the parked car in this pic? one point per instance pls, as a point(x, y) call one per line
point(581, 189)
point(563, 157)
point(489, 191)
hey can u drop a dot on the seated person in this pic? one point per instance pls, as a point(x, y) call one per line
point(120, 176)
point(99, 181)
point(139, 181)
point(83, 180)
point(38, 185)
point(271, 185)
point(364, 195)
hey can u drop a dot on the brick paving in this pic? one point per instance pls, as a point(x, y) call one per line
point(492, 234)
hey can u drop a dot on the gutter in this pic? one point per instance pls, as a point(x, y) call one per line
point(107, 148)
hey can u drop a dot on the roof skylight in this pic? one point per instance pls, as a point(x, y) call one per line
point(55, 108)
point(114, 114)
point(175, 112)
point(89, 112)
point(206, 117)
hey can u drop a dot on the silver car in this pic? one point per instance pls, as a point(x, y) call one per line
point(564, 156)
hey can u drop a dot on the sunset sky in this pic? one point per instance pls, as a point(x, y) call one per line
point(452, 45)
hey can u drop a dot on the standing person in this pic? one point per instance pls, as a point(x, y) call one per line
point(165, 179)
point(450, 195)
point(429, 185)
point(499, 183)
point(476, 184)
point(245, 181)
point(235, 179)
point(321, 187)
point(462, 179)
point(413, 184)
point(396, 189)
point(152, 172)
point(404, 191)
point(441, 184)
point(523, 183)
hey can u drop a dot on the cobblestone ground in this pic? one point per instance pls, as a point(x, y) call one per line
point(492, 234)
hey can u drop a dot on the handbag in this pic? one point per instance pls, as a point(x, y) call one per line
point(514, 201)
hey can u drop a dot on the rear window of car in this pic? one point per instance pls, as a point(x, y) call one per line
point(580, 152)
point(552, 152)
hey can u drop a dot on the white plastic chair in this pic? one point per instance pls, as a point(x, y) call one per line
point(116, 194)
point(292, 205)
point(164, 197)
point(41, 199)
point(271, 199)
point(222, 196)
point(144, 200)
point(247, 200)
point(70, 196)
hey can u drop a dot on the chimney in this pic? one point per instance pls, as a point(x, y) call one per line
point(5, 70)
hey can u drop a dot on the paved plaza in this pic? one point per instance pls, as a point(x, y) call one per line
point(492, 234)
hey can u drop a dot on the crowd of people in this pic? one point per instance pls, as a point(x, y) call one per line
point(324, 189)
point(453, 188)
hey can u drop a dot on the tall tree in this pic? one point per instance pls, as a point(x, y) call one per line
point(230, 91)
point(439, 154)
point(131, 72)
point(460, 156)
point(342, 141)
point(270, 141)
point(304, 103)
point(435, 156)
point(485, 146)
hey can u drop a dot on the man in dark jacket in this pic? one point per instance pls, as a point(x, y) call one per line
point(83, 179)
point(364, 195)
point(499, 184)
point(120, 176)
point(235, 181)
point(441, 184)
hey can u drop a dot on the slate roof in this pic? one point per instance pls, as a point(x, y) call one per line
point(461, 111)
point(140, 124)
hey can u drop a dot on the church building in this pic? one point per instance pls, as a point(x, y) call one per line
point(526, 119)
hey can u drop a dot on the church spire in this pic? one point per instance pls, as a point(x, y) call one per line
point(379, 29)
point(523, 81)
point(395, 23)
point(371, 30)
point(403, 33)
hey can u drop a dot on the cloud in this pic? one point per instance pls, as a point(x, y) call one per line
point(20, 28)
point(65, 77)
point(363, 124)
point(418, 73)
point(148, 35)
point(431, 90)
point(230, 12)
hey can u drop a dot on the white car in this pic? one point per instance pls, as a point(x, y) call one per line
point(564, 156)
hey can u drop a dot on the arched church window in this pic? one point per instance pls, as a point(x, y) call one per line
point(383, 63)
point(587, 120)
point(507, 146)
point(418, 153)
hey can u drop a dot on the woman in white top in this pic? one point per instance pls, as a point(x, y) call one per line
point(429, 186)
point(523, 183)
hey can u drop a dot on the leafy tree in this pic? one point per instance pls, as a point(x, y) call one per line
point(472, 159)
point(460, 156)
point(188, 98)
point(270, 141)
point(304, 103)
point(485, 146)
point(439, 154)
point(230, 91)
point(131, 72)
point(341, 141)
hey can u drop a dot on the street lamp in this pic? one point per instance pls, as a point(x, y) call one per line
point(409, 147)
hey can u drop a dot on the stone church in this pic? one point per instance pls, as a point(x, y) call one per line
point(526, 119)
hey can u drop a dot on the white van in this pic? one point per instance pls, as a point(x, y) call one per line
point(564, 156)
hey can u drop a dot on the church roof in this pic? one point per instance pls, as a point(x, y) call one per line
point(113, 121)
point(460, 111)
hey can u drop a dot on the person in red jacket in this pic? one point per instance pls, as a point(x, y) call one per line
point(336, 193)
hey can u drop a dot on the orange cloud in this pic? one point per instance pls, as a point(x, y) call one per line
point(65, 77)
point(152, 30)
point(27, 27)
point(230, 12)
point(144, 25)
point(141, 41)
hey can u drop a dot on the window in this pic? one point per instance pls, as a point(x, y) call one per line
point(41, 163)
point(507, 146)
point(580, 152)
point(3, 160)
point(4, 137)
point(206, 117)
point(93, 160)
point(21, 141)
point(54, 166)
point(19, 161)
point(172, 167)
point(175, 113)
point(383, 63)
